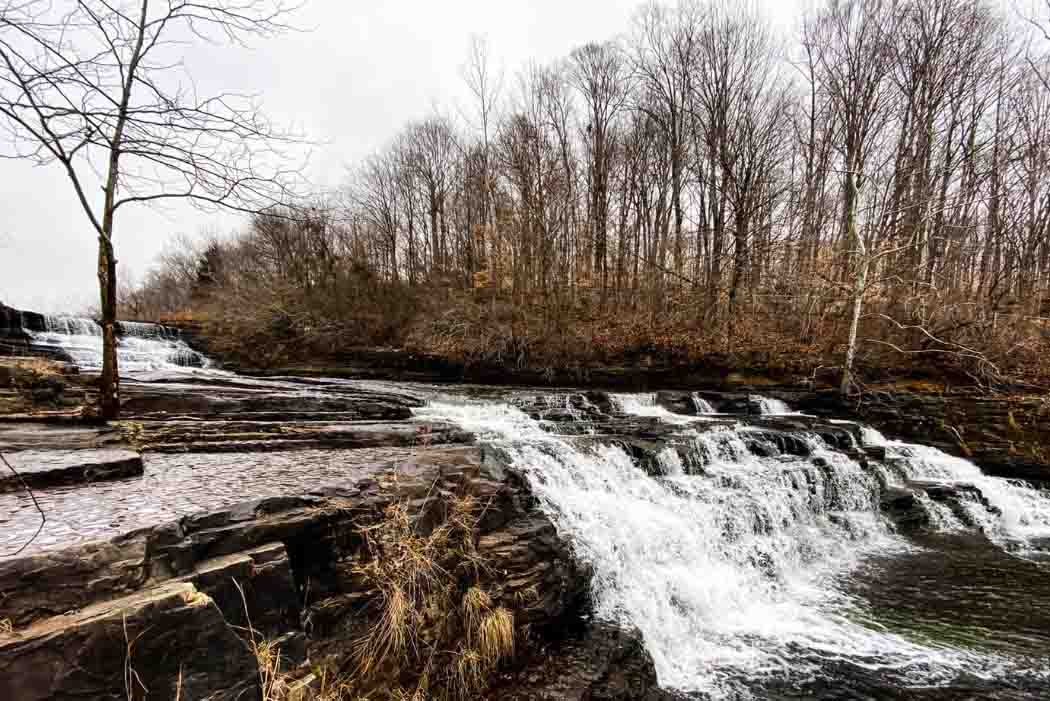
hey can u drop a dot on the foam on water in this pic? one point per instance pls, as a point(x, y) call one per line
point(141, 347)
point(731, 576)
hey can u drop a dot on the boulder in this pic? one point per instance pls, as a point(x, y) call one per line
point(904, 508)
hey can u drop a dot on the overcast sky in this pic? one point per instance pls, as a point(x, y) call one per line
point(363, 70)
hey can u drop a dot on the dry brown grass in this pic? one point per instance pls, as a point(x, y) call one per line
point(6, 626)
point(406, 569)
point(279, 684)
point(431, 613)
point(476, 602)
point(495, 636)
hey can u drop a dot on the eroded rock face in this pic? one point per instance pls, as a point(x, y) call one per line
point(601, 663)
point(285, 567)
point(165, 642)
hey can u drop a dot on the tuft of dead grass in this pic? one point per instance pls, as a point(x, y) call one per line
point(476, 602)
point(471, 673)
point(495, 636)
point(431, 612)
point(406, 568)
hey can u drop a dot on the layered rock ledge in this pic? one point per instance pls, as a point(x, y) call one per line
point(175, 606)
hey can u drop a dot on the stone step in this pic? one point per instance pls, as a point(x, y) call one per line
point(279, 436)
point(43, 469)
point(33, 434)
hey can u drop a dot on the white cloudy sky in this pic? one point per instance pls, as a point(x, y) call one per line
point(362, 70)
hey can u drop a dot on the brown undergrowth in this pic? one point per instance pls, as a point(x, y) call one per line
point(772, 336)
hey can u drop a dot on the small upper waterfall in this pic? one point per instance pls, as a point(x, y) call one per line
point(647, 406)
point(730, 562)
point(1007, 511)
point(768, 405)
point(701, 405)
point(140, 346)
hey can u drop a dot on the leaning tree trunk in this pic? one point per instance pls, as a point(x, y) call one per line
point(109, 383)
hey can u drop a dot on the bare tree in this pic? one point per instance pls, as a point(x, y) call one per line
point(855, 63)
point(485, 83)
point(599, 73)
point(99, 88)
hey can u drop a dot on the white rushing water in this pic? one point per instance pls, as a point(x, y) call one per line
point(731, 576)
point(140, 347)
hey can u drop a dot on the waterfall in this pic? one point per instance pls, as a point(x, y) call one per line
point(1024, 513)
point(645, 405)
point(141, 347)
point(701, 405)
point(731, 574)
point(872, 437)
point(768, 405)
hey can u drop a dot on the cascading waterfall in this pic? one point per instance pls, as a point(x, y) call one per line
point(140, 346)
point(732, 575)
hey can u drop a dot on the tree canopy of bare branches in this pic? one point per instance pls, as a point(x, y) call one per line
point(874, 180)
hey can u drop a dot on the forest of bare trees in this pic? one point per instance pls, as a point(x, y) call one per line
point(705, 184)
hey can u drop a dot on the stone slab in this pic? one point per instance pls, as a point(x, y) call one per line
point(42, 469)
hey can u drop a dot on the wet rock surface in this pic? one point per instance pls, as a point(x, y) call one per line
point(600, 663)
point(25, 434)
point(158, 643)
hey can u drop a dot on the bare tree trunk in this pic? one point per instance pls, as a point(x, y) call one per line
point(860, 281)
point(109, 386)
